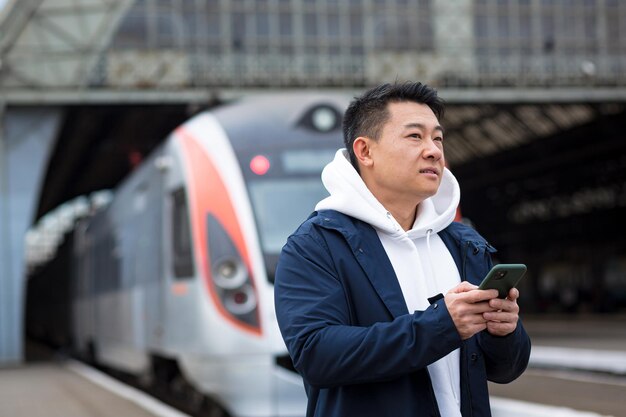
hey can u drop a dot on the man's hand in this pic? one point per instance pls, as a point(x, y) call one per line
point(467, 306)
point(503, 318)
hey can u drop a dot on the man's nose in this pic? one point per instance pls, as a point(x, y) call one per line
point(433, 150)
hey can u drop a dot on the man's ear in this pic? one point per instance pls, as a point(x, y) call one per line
point(363, 151)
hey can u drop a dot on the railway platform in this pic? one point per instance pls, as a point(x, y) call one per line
point(66, 388)
point(582, 343)
point(577, 368)
point(71, 389)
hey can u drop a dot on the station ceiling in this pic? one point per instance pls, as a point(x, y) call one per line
point(560, 197)
point(98, 145)
point(51, 53)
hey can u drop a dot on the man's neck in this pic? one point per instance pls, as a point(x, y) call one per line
point(402, 208)
point(405, 216)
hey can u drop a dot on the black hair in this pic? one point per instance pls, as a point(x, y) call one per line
point(367, 114)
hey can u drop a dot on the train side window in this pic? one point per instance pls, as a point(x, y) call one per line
point(181, 236)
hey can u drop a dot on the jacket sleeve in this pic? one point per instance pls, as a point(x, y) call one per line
point(506, 357)
point(314, 318)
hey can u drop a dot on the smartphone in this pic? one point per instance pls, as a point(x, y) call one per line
point(503, 277)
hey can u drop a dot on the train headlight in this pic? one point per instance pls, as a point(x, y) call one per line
point(232, 278)
point(229, 273)
point(324, 119)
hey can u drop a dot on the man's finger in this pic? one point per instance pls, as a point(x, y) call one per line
point(502, 317)
point(513, 294)
point(476, 296)
point(463, 287)
point(505, 305)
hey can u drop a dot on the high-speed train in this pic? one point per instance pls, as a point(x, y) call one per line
point(174, 278)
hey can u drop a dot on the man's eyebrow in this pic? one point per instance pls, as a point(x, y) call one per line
point(421, 126)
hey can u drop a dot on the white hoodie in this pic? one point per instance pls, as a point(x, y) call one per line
point(420, 259)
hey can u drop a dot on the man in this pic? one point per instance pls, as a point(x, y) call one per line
point(358, 286)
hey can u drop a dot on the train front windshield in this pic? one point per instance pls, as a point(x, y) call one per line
point(284, 188)
point(281, 205)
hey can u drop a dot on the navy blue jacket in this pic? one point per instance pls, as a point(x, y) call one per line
point(360, 352)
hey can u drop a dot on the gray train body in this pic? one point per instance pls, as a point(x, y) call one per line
point(177, 270)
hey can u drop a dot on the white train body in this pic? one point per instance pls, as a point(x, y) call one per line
point(179, 265)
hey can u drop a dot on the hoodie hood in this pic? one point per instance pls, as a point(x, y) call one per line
point(350, 195)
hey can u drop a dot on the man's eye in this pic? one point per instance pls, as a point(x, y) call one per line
point(439, 138)
point(415, 136)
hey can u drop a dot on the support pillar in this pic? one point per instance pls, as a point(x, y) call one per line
point(27, 137)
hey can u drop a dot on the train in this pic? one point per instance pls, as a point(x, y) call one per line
point(172, 281)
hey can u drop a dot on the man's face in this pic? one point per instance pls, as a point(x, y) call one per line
point(407, 161)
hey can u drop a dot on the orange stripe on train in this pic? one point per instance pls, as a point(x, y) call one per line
point(208, 194)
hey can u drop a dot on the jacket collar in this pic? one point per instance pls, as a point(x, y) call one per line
point(370, 254)
point(470, 251)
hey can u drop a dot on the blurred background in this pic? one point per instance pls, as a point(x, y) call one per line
point(535, 129)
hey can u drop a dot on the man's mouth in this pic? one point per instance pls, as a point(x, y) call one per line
point(434, 171)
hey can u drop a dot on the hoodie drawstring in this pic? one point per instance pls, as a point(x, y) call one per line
point(432, 282)
point(432, 285)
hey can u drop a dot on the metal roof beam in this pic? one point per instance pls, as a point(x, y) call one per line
point(28, 96)
point(534, 95)
point(14, 21)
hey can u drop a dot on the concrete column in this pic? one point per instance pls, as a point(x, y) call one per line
point(27, 137)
